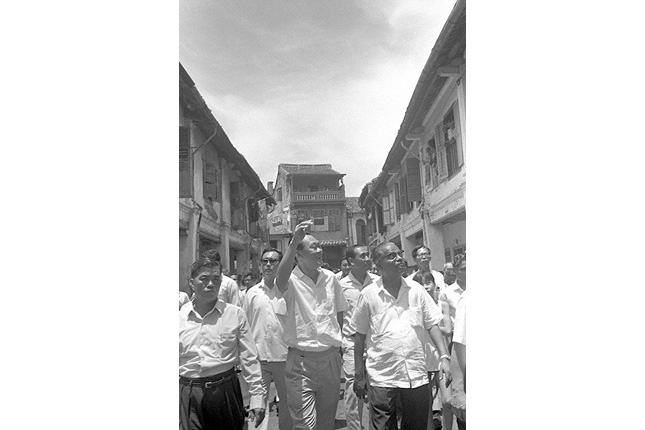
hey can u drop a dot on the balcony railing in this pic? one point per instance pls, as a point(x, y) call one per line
point(316, 196)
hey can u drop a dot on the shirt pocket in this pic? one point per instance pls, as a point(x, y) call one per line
point(279, 306)
point(226, 343)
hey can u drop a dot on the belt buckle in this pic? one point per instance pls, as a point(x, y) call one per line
point(209, 384)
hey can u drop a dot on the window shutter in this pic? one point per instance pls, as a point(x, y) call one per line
point(185, 171)
point(332, 223)
point(210, 181)
point(413, 179)
point(397, 199)
point(392, 207)
point(386, 210)
point(460, 149)
point(442, 162)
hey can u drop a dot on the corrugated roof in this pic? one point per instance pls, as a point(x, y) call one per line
point(310, 169)
point(196, 108)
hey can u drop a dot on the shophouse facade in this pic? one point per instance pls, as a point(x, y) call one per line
point(419, 197)
point(222, 201)
point(310, 191)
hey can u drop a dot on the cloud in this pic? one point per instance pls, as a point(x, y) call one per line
point(310, 81)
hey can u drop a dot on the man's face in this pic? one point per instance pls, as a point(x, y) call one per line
point(423, 259)
point(390, 259)
point(206, 284)
point(449, 274)
point(461, 275)
point(269, 262)
point(311, 252)
point(248, 281)
point(234, 277)
point(345, 267)
point(361, 260)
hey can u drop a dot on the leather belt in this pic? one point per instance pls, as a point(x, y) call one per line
point(208, 381)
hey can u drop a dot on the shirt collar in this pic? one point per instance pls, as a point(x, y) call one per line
point(368, 279)
point(189, 307)
point(382, 290)
point(300, 274)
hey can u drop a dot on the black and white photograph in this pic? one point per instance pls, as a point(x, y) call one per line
point(322, 215)
point(320, 261)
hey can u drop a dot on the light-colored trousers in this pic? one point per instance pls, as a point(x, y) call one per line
point(313, 386)
point(353, 405)
point(274, 371)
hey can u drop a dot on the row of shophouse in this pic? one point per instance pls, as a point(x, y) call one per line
point(419, 197)
point(222, 201)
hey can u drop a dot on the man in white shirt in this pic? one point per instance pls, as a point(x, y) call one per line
point(392, 315)
point(358, 277)
point(422, 258)
point(266, 311)
point(315, 306)
point(214, 338)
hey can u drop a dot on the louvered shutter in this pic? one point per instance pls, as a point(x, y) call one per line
point(442, 162)
point(397, 199)
point(386, 210)
point(460, 149)
point(185, 168)
point(210, 181)
point(413, 179)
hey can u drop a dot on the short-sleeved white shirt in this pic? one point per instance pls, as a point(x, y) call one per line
point(451, 294)
point(459, 335)
point(352, 290)
point(311, 323)
point(396, 331)
point(265, 308)
point(229, 291)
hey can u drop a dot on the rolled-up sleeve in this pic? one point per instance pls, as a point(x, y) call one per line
point(250, 363)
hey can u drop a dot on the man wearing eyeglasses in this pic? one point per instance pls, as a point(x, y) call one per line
point(422, 257)
point(392, 319)
point(266, 311)
point(315, 306)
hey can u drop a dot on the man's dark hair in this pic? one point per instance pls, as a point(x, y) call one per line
point(265, 250)
point(212, 254)
point(351, 252)
point(417, 248)
point(204, 262)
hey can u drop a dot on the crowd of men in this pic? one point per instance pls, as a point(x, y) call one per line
point(398, 340)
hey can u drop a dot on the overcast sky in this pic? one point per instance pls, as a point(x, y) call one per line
point(310, 81)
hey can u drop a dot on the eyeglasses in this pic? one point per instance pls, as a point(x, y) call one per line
point(423, 254)
point(269, 260)
point(392, 256)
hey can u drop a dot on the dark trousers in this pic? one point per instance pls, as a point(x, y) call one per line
point(414, 403)
point(210, 405)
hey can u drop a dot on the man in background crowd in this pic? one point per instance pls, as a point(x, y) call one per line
point(358, 258)
point(266, 311)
